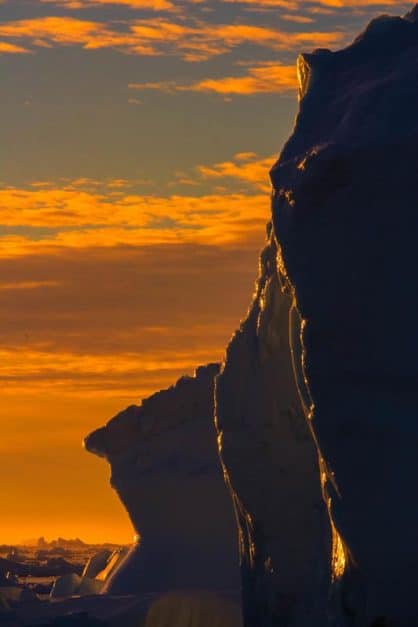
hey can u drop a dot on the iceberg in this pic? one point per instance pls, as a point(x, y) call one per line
point(345, 218)
point(166, 470)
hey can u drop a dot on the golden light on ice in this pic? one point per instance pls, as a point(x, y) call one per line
point(338, 555)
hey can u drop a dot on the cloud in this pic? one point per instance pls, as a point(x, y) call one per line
point(8, 48)
point(297, 5)
point(27, 285)
point(290, 5)
point(266, 78)
point(101, 297)
point(246, 167)
point(53, 218)
point(297, 19)
point(45, 31)
point(151, 5)
point(245, 156)
point(360, 4)
point(88, 213)
point(148, 321)
point(135, 101)
point(128, 332)
point(74, 370)
point(195, 41)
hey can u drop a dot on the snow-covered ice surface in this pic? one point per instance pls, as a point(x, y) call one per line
point(166, 470)
point(345, 216)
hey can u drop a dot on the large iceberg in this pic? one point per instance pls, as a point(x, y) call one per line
point(345, 216)
point(166, 471)
point(315, 403)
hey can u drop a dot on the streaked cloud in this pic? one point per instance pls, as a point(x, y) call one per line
point(46, 31)
point(152, 5)
point(27, 285)
point(57, 241)
point(8, 48)
point(296, 19)
point(372, 4)
point(135, 101)
point(88, 213)
point(289, 5)
point(75, 218)
point(88, 372)
point(128, 334)
point(246, 167)
point(303, 5)
point(194, 41)
point(266, 78)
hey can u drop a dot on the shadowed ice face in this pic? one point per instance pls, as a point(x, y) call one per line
point(345, 217)
point(163, 455)
point(117, 436)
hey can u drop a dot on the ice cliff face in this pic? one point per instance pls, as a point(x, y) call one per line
point(166, 470)
point(271, 465)
point(345, 217)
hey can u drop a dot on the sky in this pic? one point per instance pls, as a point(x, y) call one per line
point(135, 145)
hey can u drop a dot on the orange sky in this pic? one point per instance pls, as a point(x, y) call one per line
point(96, 317)
point(137, 141)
